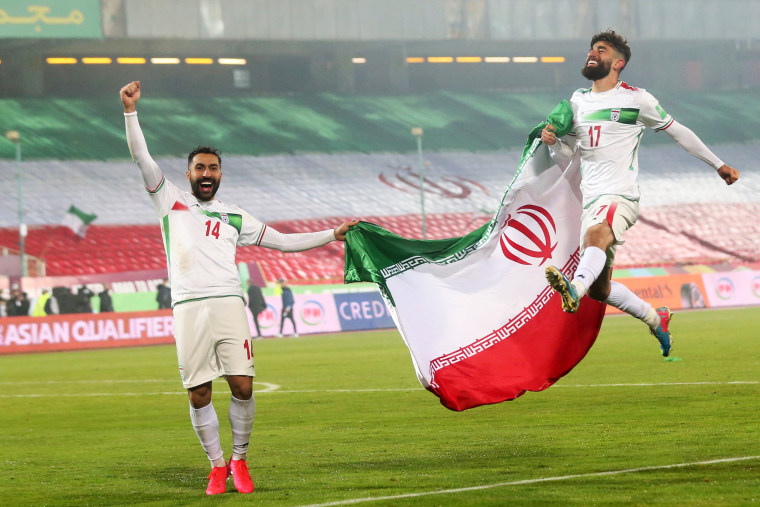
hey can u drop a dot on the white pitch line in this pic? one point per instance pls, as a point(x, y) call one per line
point(268, 388)
point(658, 384)
point(274, 388)
point(390, 390)
point(531, 481)
point(93, 381)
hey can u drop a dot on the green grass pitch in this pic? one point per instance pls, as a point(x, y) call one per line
point(342, 418)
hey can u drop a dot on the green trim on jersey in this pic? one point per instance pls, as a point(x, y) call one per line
point(210, 297)
point(627, 115)
point(636, 149)
point(662, 112)
point(163, 180)
point(233, 219)
point(583, 90)
point(165, 221)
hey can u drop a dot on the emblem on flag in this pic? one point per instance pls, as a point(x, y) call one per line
point(615, 115)
point(529, 236)
point(481, 330)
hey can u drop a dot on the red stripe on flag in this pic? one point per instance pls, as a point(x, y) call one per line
point(544, 349)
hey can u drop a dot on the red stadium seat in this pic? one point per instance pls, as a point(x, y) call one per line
point(664, 235)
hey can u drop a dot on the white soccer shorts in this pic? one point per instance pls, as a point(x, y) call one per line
point(619, 212)
point(213, 339)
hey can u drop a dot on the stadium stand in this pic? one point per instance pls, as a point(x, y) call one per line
point(92, 128)
point(349, 157)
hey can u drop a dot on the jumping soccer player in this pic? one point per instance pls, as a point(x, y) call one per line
point(210, 325)
point(608, 121)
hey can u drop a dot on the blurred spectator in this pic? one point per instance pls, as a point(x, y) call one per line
point(66, 301)
point(84, 305)
point(164, 295)
point(3, 312)
point(288, 301)
point(40, 304)
point(256, 303)
point(18, 305)
point(106, 305)
point(51, 305)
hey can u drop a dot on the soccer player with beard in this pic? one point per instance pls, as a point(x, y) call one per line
point(210, 325)
point(608, 122)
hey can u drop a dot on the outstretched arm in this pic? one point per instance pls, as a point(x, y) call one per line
point(688, 140)
point(138, 148)
point(300, 241)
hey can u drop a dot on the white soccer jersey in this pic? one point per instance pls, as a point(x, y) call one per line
point(200, 239)
point(608, 127)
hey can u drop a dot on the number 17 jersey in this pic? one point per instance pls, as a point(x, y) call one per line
point(608, 127)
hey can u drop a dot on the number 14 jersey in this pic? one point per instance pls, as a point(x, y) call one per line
point(201, 239)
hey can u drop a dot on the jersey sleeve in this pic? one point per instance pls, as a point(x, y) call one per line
point(253, 232)
point(689, 141)
point(163, 193)
point(564, 148)
point(652, 114)
point(138, 149)
point(166, 197)
point(295, 242)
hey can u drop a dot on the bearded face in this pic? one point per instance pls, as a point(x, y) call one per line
point(596, 68)
point(204, 175)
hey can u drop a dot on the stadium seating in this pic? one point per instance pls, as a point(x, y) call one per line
point(343, 157)
point(93, 129)
point(687, 234)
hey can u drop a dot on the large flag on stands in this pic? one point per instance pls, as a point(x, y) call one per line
point(77, 220)
point(481, 323)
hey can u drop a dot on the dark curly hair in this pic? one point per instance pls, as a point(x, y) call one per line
point(615, 40)
point(205, 149)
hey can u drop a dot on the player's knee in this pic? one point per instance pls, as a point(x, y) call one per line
point(599, 293)
point(241, 387)
point(243, 392)
point(200, 396)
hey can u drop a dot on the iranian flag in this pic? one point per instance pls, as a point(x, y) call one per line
point(480, 321)
point(77, 220)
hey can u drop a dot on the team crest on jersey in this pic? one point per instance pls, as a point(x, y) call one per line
point(615, 115)
point(224, 218)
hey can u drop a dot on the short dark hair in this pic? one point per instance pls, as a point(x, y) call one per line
point(615, 40)
point(205, 149)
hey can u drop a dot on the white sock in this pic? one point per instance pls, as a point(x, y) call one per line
point(206, 426)
point(591, 264)
point(241, 420)
point(623, 298)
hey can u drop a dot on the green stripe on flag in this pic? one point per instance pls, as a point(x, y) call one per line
point(374, 254)
point(86, 218)
point(381, 254)
point(77, 220)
